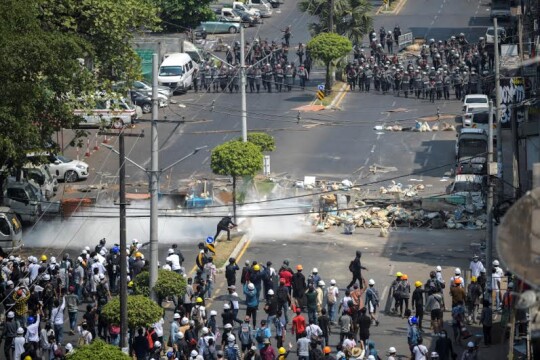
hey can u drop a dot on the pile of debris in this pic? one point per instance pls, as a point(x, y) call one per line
point(420, 126)
point(398, 189)
point(362, 215)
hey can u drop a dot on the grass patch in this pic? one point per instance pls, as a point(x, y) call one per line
point(336, 87)
point(225, 248)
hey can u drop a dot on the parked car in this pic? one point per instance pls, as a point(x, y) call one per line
point(106, 112)
point(220, 26)
point(10, 230)
point(177, 71)
point(41, 175)
point(490, 35)
point(475, 101)
point(247, 18)
point(67, 169)
point(142, 100)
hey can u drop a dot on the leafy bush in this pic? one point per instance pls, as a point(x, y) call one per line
point(264, 141)
point(168, 283)
point(98, 349)
point(142, 311)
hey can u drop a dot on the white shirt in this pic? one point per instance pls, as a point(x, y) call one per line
point(345, 303)
point(33, 269)
point(32, 331)
point(349, 343)
point(210, 270)
point(420, 352)
point(18, 344)
point(158, 327)
point(476, 267)
point(439, 277)
point(57, 314)
point(333, 289)
point(174, 259)
point(313, 330)
point(496, 278)
point(99, 266)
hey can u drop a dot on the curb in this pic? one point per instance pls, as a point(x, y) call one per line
point(397, 9)
point(338, 98)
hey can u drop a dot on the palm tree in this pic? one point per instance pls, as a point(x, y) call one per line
point(352, 18)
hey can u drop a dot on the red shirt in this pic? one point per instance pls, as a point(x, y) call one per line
point(287, 276)
point(298, 324)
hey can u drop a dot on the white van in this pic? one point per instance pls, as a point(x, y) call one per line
point(107, 112)
point(176, 72)
point(262, 5)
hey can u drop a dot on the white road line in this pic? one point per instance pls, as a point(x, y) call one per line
point(236, 125)
point(426, 161)
point(434, 136)
point(394, 103)
point(435, 17)
point(373, 149)
point(206, 159)
point(384, 292)
point(378, 136)
point(224, 137)
point(365, 162)
point(442, 6)
point(429, 149)
point(391, 271)
point(432, 22)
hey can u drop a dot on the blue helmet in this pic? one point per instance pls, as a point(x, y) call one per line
point(115, 250)
point(31, 320)
point(414, 320)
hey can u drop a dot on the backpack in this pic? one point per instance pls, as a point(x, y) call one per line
point(231, 353)
point(259, 336)
point(433, 285)
point(196, 315)
point(416, 337)
point(330, 295)
point(352, 266)
point(245, 335)
point(283, 294)
point(82, 340)
point(374, 297)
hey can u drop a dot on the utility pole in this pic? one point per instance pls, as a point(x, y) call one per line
point(154, 180)
point(243, 82)
point(515, 148)
point(498, 109)
point(489, 204)
point(123, 246)
point(331, 16)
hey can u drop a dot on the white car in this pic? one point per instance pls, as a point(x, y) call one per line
point(490, 35)
point(67, 169)
point(476, 102)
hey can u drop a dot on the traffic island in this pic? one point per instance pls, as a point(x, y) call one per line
point(390, 9)
point(225, 248)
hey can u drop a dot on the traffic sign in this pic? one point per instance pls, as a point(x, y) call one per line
point(209, 240)
point(320, 95)
point(320, 87)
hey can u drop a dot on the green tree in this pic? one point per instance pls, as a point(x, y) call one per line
point(142, 311)
point(264, 141)
point(98, 349)
point(235, 158)
point(328, 47)
point(352, 18)
point(55, 52)
point(180, 15)
point(168, 283)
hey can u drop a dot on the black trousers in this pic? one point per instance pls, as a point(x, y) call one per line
point(356, 276)
point(223, 228)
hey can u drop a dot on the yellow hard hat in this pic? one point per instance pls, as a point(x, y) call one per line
point(138, 254)
point(130, 284)
point(256, 267)
point(199, 300)
point(417, 283)
point(43, 257)
point(473, 279)
point(399, 274)
point(282, 350)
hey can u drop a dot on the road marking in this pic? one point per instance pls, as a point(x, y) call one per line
point(429, 149)
point(378, 136)
point(426, 161)
point(432, 22)
point(391, 271)
point(236, 125)
point(394, 103)
point(224, 137)
point(435, 17)
point(384, 292)
point(434, 136)
point(365, 162)
point(373, 149)
point(205, 159)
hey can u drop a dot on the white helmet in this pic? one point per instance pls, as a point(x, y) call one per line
point(371, 357)
point(470, 344)
point(194, 353)
point(69, 347)
point(205, 330)
point(213, 312)
point(46, 277)
point(10, 315)
point(226, 306)
point(332, 282)
point(184, 321)
point(495, 262)
point(438, 268)
point(251, 286)
point(315, 270)
point(270, 292)
point(20, 331)
point(180, 335)
point(321, 283)
point(171, 251)
point(176, 316)
point(230, 338)
point(157, 344)
point(228, 326)
point(371, 282)
point(457, 271)
point(392, 350)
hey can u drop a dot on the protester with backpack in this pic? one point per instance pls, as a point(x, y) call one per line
point(355, 267)
point(414, 337)
point(231, 350)
point(372, 301)
point(332, 298)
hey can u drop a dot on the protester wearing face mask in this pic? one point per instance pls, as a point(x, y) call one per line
point(476, 266)
point(443, 347)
